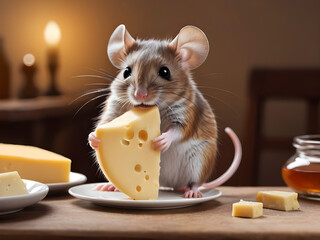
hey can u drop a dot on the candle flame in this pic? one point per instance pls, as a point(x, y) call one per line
point(28, 59)
point(52, 33)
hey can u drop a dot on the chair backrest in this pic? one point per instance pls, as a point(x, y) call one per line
point(266, 84)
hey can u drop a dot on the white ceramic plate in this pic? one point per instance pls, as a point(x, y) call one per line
point(75, 179)
point(167, 199)
point(37, 192)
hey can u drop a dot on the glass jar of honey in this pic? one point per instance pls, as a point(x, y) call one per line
point(302, 171)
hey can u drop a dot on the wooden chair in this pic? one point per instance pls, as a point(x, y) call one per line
point(266, 84)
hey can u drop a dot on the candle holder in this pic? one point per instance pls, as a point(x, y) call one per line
point(29, 89)
point(53, 67)
point(52, 36)
point(4, 73)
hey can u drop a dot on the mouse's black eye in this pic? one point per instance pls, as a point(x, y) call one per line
point(164, 72)
point(127, 72)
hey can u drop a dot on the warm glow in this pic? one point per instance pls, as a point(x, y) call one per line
point(28, 59)
point(52, 33)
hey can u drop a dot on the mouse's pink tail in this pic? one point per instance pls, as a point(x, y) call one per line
point(234, 166)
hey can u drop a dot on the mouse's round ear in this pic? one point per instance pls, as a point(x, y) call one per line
point(192, 45)
point(119, 44)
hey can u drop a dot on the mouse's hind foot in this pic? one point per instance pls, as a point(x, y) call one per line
point(192, 192)
point(106, 187)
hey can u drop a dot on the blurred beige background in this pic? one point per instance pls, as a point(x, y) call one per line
point(242, 35)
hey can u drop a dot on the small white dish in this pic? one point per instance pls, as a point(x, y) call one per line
point(37, 192)
point(167, 198)
point(75, 179)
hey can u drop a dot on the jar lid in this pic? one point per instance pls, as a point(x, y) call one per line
point(306, 142)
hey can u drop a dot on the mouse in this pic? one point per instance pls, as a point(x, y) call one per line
point(159, 73)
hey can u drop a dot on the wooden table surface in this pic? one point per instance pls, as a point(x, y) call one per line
point(64, 217)
point(17, 110)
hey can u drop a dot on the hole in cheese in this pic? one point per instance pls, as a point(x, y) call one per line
point(125, 142)
point(143, 135)
point(130, 134)
point(138, 188)
point(137, 168)
point(147, 177)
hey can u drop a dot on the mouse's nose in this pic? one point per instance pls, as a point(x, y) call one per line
point(141, 93)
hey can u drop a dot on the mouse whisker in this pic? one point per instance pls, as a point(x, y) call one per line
point(187, 99)
point(212, 97)
point(90, 92)
point(168, 84)
point(102, 95)
point(196, 109)
point(124, 101)
point(105, 72)
point(102, 71)
point(168, 107)
point(107, 76)
point(97, 84)
point(223, 102)
point(208, 74)
point(127, 102)
point(218, 89)
point(92, 76)
point(199, 111)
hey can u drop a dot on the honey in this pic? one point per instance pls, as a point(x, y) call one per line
point(302, 171)
point(304, 179)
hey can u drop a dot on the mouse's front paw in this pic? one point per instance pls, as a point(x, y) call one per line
point(163, 142)
point(94, 141)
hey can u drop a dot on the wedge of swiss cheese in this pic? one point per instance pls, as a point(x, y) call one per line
point(126, 155)
point(34, 163)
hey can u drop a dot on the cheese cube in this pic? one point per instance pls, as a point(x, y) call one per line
point(126, 155)
point(279, 200)
point(34, 163)
point(247, 209)
point(11, 185)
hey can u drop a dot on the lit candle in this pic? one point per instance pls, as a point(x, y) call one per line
point(52, 36)
point(28, 90)
point(52, 33)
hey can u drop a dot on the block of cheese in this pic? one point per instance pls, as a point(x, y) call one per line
point(279, 200)
point(34, 163)
point(11, 184)
point(247, 209)
point(126, 155)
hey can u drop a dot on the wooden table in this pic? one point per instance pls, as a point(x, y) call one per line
point(64, 217)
